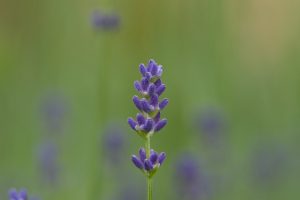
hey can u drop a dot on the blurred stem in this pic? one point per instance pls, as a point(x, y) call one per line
point(149, 188)
point(149, 182)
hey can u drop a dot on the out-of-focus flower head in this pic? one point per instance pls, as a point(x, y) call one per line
point(113, 143)
point(54, 109)
point(13, 194)
point(105, 21)
point(48, 162)
point(211, 123)
point(269, 162)
point(191, 182)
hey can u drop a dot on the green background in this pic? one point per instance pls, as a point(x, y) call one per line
point(241, 57)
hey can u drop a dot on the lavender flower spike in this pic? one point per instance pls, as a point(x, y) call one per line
point(148, 121)
point(13, 194)
point(150, 88)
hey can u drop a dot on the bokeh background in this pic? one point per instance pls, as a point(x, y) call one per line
point(232, 72)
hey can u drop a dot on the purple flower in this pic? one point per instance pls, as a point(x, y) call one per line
point(113, 144)
point(105, 21)
point(191, 183)
point(13, 194)
point(150, 164)
point(211, 123)
point(48, 162)
point(150, 88)
point(54, 110)
point(269, 162)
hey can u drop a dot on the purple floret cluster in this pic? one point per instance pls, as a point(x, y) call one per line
point(13, 194)
point(150, 88)
point(148, 121)
point(148, 164)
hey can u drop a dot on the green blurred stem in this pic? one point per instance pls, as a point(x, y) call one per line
point(149, 188)
point(149, 181)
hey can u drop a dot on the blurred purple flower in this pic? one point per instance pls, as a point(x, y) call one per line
point(211, 123)
point(269, 163)
point(54, 108)
point(105, 21)
point(113, 143)
point(191, 183)
point(13, 194)
point(48, 162)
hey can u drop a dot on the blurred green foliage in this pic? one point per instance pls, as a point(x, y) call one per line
point(239, 56)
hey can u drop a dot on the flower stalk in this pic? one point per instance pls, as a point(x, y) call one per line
point(148, 121)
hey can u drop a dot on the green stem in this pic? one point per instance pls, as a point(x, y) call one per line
point(149, 181)
point(148, 147)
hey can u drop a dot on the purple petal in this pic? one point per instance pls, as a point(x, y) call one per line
point(150, 65)
point(154, 69)
point(145, 106)
point(23, 194)
point(163, 103)
point(137, 162)
point(161, 157)
point(142, 153)
point(144, 83)
point(159, 71)
point(157, 83)
point(137, 102)
point(148, 165)
point(157, 117)
point(148, 125)
point(13, 194)
point(138, 86)
point(143, 69)
point(160, 89)
point(160, 125)
point(154, 100)
point(153, 157)
point(132, 123)
point(148, 76)
point(140, 119)
point(151, 89)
